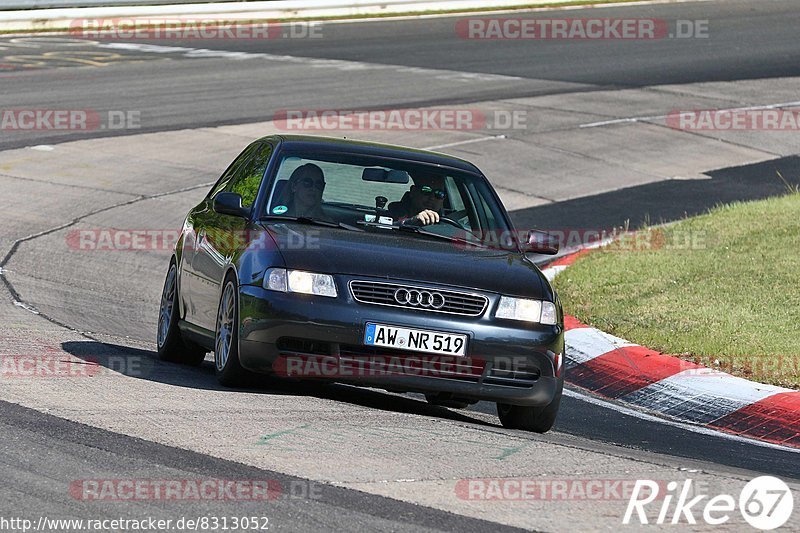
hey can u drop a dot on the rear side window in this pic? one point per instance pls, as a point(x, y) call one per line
point(247, 178)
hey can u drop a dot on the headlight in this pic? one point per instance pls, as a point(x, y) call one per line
point(280, 279)
point(275, 280)
point(549, 314)
point(527, 310)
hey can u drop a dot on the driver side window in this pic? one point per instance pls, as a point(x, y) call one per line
point(247, 178)
point(231, 171)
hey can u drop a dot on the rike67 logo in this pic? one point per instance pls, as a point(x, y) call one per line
point(766, 503)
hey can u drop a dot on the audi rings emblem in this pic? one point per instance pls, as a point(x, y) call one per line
point(415, 298)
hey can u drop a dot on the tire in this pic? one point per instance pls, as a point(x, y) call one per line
point(536, 419)
point(435, 399)
point(230, 372)
point(171, 346)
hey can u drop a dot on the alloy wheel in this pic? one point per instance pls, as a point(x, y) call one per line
point(225, 325)
point(167, 304)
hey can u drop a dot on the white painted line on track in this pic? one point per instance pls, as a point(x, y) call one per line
point(688, 427)
point(621, 121)
point(338, 64)
point(460, 143)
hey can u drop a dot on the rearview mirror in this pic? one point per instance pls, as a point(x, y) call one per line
point(383, 175)
point(541, 242)
point(230, 203)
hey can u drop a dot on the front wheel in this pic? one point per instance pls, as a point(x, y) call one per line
point(171, 346)
point(226, 343)
point(536, 419)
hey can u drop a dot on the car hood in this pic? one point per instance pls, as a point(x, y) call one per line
point(392, 255)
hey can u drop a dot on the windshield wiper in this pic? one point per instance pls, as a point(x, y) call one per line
point(418, 230)
point(452, 238)
point(312, 221)
point(366, 224)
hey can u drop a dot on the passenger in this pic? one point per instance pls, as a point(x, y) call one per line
point(305, 187)
point(423, 204)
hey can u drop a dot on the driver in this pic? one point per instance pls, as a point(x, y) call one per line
point(423, 204)
point(306, 185)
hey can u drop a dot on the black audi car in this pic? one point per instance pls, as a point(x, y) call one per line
point(383, 266)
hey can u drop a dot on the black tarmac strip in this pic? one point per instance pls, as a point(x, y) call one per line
point(38, 469)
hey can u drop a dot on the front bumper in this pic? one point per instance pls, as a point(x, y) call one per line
point(509, 362)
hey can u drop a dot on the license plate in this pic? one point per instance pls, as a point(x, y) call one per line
point(417, 340)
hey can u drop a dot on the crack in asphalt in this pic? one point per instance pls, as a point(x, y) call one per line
point(100, 189)
point(17, 298)
point(70, 185)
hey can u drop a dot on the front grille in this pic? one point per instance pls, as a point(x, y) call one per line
point(419, 298)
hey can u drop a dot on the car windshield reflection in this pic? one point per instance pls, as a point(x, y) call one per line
point(373, 193)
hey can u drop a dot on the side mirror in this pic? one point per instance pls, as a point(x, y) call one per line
point(230, 203)
point(541, 242)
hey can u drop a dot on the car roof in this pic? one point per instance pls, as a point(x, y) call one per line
point(312, 142)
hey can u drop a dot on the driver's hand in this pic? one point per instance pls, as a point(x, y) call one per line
point(428, 217)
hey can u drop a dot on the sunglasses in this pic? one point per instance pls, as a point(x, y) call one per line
point(437, 193)
point(311, 182)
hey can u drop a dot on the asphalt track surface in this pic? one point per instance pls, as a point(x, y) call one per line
point(751, 41)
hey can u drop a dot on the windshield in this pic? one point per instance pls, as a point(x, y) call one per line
point(365, 191)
